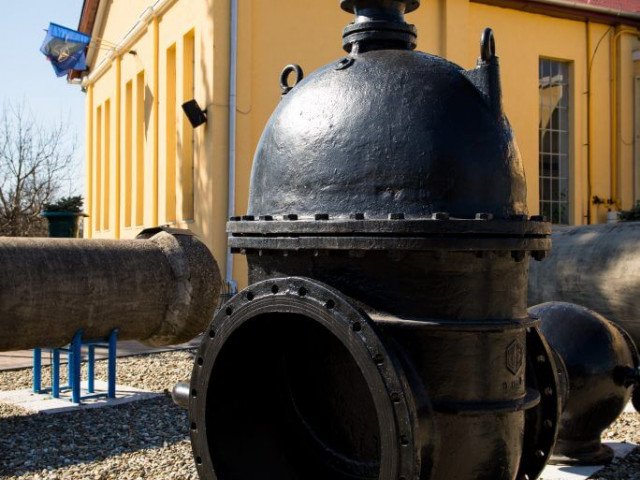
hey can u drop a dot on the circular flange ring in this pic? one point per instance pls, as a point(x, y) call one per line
point(541, 422)
point(402, 429)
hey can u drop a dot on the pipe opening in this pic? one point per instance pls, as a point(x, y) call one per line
point(287, 400)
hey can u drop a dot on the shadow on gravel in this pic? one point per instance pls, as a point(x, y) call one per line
point(627, 468)
point(45, 442)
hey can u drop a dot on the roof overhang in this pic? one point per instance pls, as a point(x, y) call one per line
point(85, 25)
point(555, 8)
point(88, 16)
point(571, 10)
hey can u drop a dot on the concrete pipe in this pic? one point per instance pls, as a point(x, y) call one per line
point(161, 289)
point(597, 266)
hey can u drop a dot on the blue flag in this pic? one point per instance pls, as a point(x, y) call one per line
point(65, 48)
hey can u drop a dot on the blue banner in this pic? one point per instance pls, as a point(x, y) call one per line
point(65, 48)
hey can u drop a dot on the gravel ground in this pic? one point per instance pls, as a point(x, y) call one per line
point(626, 428)
point(148, 439)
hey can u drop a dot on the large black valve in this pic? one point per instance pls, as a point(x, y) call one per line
point(384, 333)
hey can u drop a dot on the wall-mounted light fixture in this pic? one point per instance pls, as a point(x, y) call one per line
point(196, 115)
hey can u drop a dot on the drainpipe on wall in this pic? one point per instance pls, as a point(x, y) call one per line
point(232, 285)
point(636, 145)
point(589, 123)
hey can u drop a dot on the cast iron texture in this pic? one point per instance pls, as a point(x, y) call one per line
point(384, 334)
point(295, 380)
point(601, 363)
point(389, 130)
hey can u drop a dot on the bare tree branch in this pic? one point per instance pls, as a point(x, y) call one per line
point(35, 161)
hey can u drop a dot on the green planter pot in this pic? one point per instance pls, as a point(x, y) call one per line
point(63, 224)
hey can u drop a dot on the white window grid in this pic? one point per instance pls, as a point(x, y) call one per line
point(554, 140)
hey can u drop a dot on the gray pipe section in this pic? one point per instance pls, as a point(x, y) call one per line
point(597, 266)
point(161, 290)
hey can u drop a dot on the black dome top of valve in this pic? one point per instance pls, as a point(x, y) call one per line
point(387, 129)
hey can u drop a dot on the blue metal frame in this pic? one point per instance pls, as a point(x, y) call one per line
point(74, 364)
point(75, 361)
point(91, 371)
point(111, 380)
point(55, 374)
point(37, 370)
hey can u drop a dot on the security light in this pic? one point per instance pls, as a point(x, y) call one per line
point(196, 115)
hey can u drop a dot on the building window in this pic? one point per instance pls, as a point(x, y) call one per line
point(554, 140)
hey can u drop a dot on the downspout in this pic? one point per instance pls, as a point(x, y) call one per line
point(613, 122)
point(589, 122)
point(636, 62)
point(233, 75)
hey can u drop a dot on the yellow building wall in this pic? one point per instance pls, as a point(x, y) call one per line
point(278, 32)
point(450, 28)
point(121, 16)
point(522, 40)
point(137, 69)
point(625, 106)
point(136, 86)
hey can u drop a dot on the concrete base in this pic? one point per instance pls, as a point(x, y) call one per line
point(43, 403)
point(560, 472)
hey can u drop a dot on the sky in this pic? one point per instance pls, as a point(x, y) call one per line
point(28, 76)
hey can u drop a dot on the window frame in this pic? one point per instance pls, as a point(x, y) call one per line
point(555, 153)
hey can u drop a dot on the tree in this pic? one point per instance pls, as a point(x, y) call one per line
point(35, 162)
